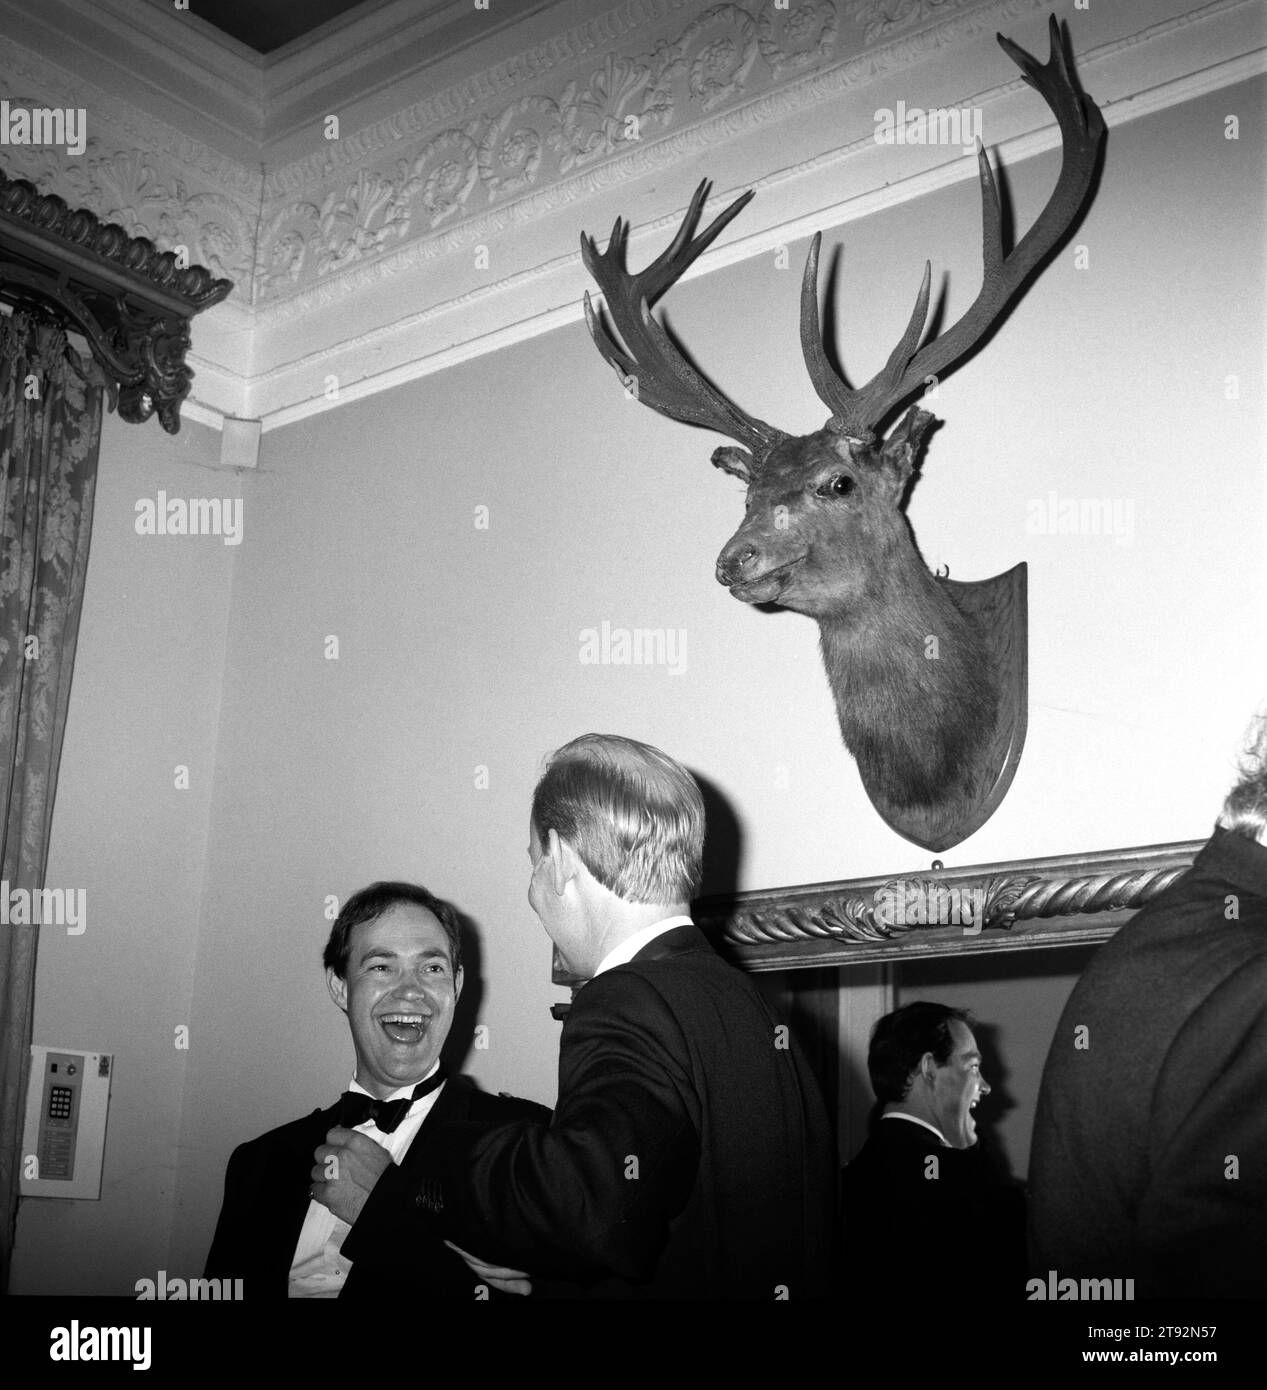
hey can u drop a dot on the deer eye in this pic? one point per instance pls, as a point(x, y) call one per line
point(839, 486)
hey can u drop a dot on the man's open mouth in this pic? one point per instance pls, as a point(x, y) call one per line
point(767, 587)
point(403, 1028)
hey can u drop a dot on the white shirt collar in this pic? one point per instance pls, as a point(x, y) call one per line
point(915, 1120)
point(356, 1086)
point(631, 945)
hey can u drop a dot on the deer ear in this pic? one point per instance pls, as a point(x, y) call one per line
point(909, 434)
point(901, 448)
point(737, 462)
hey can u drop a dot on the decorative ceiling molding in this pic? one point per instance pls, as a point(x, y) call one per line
point(487, 156)
point(117, 125)
point(1132, 76)
point(535, 145)
point(511, 160)
point(456, 193)
point(426, 118)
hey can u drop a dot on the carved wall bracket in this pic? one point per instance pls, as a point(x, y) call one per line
point(131, 301)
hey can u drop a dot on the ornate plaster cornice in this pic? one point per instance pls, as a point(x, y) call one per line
point(116, 124)
point(411, 179)
point(621, 96)
point(455, 102)
point(455, 194)
point(361, 249)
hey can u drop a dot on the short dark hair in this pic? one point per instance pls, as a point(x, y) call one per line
point(371, 903)
point(901, 1038)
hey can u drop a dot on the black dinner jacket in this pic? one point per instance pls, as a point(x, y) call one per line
point(904, 1215)
point(1150, 1139)
point(266, 1200)
point(689, 1155)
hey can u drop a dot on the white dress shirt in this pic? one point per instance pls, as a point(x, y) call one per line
point(631, 945)
point(318, 1269)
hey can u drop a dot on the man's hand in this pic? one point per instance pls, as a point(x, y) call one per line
point(499, 1276)
point(347, 1166)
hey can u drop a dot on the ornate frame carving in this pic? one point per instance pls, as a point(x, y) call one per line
point(131, 302)
point(1027, 904)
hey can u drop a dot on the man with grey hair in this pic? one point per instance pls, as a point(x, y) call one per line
point(1150, 1142)
point(690, 1154)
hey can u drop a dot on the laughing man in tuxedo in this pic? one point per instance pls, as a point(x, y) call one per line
point(394, 967)
point(689, 1155)
point(920, 1192)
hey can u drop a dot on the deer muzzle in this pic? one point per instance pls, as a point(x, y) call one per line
point(745, 569)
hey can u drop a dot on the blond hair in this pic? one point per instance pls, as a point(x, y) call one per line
point(1245, 809)
point(633, 815)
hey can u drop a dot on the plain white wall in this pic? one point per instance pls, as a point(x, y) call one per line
point(459, 650)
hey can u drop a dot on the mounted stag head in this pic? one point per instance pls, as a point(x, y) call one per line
point(928, 674)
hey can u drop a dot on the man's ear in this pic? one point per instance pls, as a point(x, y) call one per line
point(457, 984)
point(563, 862)
point(928, 1067)
point(338, 988)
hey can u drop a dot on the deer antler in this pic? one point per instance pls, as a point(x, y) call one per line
point(664, 379)
point(857, 412)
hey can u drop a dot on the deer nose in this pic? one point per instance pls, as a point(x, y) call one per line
point(736, 562)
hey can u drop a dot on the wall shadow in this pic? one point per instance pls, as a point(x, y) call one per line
point(460, 1043)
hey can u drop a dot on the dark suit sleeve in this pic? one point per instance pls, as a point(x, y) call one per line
point(232, 1250)
point(1202, 1220)
point(592, 1193)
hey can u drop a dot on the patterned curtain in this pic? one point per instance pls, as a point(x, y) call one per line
point(50, 428)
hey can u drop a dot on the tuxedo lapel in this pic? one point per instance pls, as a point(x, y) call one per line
point(452, 1105)
point(378, 1265)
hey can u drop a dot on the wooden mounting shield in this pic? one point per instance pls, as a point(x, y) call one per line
point(998, 608)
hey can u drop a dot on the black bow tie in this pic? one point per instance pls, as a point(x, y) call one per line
point(355, 1109)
